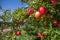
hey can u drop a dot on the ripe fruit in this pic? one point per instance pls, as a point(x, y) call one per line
point(37, 15)
point(42, 10)
point(18, 33)
point(53, 1)
point(21, 21)
point(29, 11)
point(40, 35)
point(55, 22)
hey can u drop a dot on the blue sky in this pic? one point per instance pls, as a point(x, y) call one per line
point(11, 4)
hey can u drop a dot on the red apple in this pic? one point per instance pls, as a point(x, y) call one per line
point(55, 22)
point(21, 21)
point(18, 33)
point(29, 11)
point(37, 15)
point(40, 35)
point(53, 1)
point(42, 10)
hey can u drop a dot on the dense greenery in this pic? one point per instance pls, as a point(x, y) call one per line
point(30, 26)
